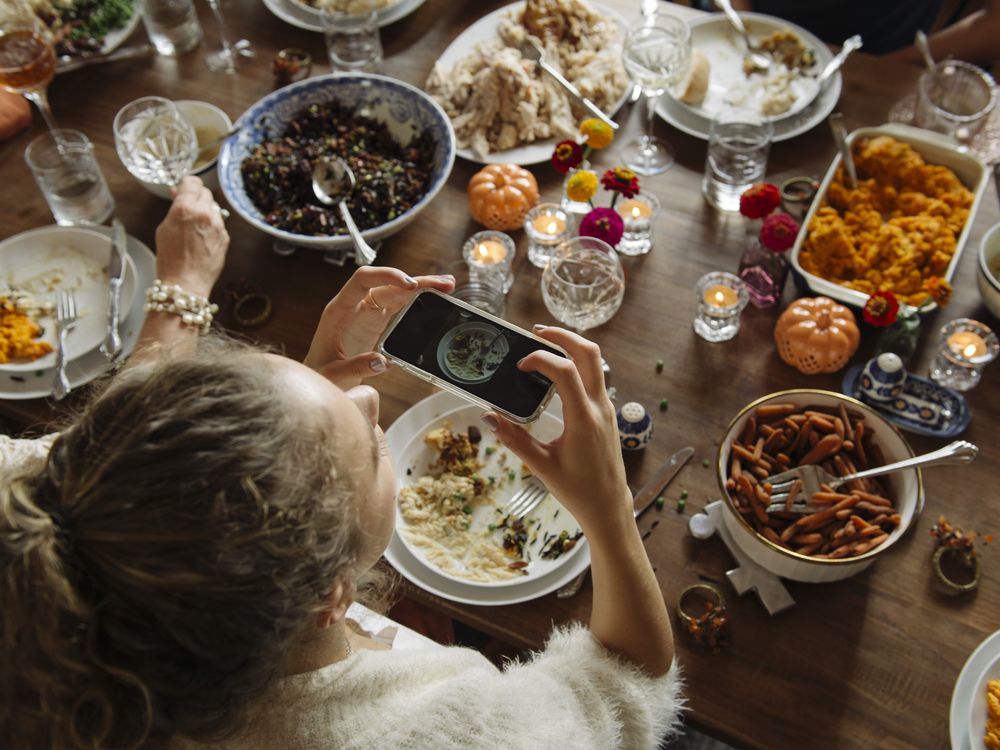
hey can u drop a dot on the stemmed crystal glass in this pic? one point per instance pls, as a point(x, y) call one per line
point(224, 60)
point(583, 284)
point(27, 57)
point(657, 54)
point(154, 141)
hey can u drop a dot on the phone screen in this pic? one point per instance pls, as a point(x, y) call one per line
point(472, 352)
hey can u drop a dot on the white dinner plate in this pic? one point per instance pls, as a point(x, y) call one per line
point(304, 17)
point(485, 30)
point(416, 456)
point(37, 382)
point(697, 120)
point(398, 435)
point(114, 38)
point(970, 683)
point(45, 260)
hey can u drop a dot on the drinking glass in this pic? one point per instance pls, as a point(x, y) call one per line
point(583, 285)
point(955, 98)
point(171, 25)
point(154, 141)
point(352, 37)
point(63, 165)
point(738, 144)
point(656, 54)
point(224, 60)
point(27, 57)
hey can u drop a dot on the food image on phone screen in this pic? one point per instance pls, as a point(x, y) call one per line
point(472, 352)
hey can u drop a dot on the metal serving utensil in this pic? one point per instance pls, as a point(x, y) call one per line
point(812, 476)
point(759, 61)
point(840, 136)
point(532, 50)
point(332, 181)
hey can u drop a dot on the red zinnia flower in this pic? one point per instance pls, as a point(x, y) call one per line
point(621, 180)
point(604, 224)
point(759, 200)
point(566, 155)
point(778, 232)
point(881, 309)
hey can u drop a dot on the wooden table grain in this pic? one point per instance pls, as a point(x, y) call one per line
point(866, 662)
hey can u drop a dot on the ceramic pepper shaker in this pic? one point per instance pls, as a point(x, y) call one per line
point(635, 426)
point(883, 379)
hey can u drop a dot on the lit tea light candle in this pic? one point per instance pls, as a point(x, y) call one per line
point(721, 296)
point(490, 255)
point(635, 209)
point(547, 225)
point(967, 343)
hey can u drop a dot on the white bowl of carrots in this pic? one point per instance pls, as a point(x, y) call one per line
point(854, 523)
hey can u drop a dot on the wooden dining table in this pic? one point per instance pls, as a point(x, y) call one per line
point(865, 662)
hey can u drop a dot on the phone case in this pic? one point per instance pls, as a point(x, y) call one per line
point(444, 384)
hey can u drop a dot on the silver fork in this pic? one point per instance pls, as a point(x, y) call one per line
point(527, 498)
point(66, 315)
point(812, 476)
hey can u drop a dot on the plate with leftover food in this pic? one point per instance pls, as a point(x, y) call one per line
point(902, 229)
point(36, 382)
point(455, 483)
point(718, 75)
point(308, 14)
point(982, 666)
point(503, 107)
point(37, 265)
point(85, 27)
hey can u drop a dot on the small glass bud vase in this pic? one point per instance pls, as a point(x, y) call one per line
point(901, 337)
point(764, 272)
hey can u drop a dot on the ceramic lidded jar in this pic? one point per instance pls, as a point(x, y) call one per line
point(635, 426)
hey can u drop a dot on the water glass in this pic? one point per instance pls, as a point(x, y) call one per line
point(738, 143)
point(154, 141)
point(172, 25)
point(956, 98)
point(352, 37)
point(583, 285)
point(69, 177)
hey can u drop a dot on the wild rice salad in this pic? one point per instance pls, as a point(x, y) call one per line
point(277, 175)
point(439, 507)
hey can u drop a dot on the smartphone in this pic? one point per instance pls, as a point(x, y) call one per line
point(470, 353)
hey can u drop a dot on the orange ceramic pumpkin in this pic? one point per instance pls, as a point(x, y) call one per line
point(501, 194)
point(815, 334)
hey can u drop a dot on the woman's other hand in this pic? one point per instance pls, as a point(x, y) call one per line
point(342, 347)
point(191, 242)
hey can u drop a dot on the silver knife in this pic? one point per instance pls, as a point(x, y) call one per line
point(69, 62)
point(640, 503)
point(112, 345)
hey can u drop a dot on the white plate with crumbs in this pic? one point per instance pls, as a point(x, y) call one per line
point(305, 16)
point(44, 261)
point(967, 717)
point(486, 30)
point(405, 438)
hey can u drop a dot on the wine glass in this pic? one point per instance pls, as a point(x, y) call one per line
point(27, 57)
point(154, 140)
point(583, 284)
point(656, 54)
point(224, 60)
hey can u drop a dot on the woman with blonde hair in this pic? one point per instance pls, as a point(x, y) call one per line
point(177, 562)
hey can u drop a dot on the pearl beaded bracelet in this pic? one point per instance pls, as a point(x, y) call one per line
point(193, 309)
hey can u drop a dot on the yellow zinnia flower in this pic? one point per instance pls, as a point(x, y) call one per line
point(598, 133)
point(581, 186)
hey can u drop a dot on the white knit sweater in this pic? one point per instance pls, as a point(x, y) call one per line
point(574, 695)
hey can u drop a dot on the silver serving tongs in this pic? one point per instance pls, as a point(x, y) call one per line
point(532, 50)
point(840, 136)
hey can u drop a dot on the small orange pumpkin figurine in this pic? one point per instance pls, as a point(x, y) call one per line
point(815, 334)
point(500, 195)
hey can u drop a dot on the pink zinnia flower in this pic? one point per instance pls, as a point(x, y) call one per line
point(604, 224)
point(760, 199)
point(778, 232)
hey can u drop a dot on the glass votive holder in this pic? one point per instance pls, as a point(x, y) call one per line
point(291, 65)
point(546, 225)
point(638, 214)
point(490, 255)
point(967, 346)
point(721, 298)
point(479, 292)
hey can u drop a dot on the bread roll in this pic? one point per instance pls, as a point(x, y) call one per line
point(695, 86)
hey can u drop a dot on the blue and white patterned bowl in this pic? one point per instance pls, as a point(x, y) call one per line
point(406, 110)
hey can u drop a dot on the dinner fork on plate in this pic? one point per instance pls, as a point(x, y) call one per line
point(812, 477)
point(527, 498)
point(66, 316)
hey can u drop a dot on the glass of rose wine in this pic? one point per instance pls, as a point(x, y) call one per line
point(27, 57)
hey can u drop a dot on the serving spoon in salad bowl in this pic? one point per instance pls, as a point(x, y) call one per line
point(332, 181)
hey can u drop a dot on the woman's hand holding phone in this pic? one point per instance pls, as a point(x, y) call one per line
point(343, 346)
